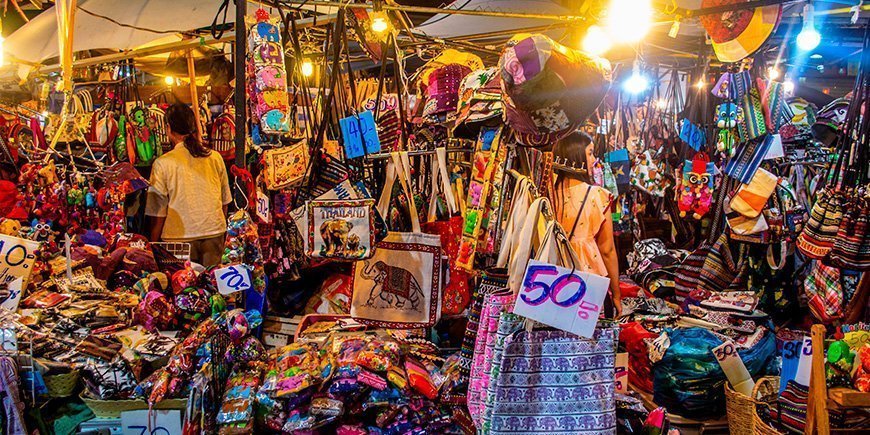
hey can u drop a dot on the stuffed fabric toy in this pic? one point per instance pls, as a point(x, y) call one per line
point(695, 191)
point(726, 120)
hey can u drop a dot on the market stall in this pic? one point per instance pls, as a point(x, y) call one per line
point(491, 217)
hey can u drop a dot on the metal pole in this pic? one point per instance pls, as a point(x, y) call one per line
point(239, 97)
point(427, 10)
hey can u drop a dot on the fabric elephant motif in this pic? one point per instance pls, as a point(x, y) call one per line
point(394, 285)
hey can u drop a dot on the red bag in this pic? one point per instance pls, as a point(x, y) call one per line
point(633, 336)
point(456, 295)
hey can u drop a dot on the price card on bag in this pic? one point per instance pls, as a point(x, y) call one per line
point(791, 355)
point(557, 297)
point(162, 422)
point(233, 279)
point(622, 372)
point(731, 363)
point(16, 258)
point(359, 135)
point(263, 209)
point(805, 362)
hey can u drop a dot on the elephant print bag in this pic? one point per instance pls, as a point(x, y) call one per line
point(341, 230)
point(400, 286)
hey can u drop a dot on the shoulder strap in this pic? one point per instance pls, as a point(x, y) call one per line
point(579, 212)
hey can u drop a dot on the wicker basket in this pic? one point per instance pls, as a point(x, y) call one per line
point(114, 408)
point(742, 415)
point(62, 385)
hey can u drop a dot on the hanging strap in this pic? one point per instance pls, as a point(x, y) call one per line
point(521, 198)
point(580, 211)
point(439, 172)
point(532, 233)
point(398, 167)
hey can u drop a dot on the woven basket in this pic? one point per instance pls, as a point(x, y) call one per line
point(742, 415)
point(62, 385)
point(114, 408)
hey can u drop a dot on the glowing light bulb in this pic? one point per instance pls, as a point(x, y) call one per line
point(596, 42)
point(809, 38)
point(380, 25)
point(788, 87)
point(700, 84)
point(636, 83)
point(307, 68)
point(661, 104)
point(772, 73)
point(629, 20)
point(169, 80)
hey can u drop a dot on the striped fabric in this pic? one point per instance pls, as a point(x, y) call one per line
point(508, 323)
point(825, 290)
point(751, 123)
point(747, 158)
point(790, 410)
point(720, 271)
point(478, 380)
point(554, 382)
point(490, 283)
point(686, 277)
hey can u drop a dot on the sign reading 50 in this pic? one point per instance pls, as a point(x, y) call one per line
point(538, 290)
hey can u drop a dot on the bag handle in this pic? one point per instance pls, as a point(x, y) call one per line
point(516, 219)
point(439, 172)
point(532, 227)
point(398, 167)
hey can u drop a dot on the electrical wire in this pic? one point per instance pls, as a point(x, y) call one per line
point(131, 26)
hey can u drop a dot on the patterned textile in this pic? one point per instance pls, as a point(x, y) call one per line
point(490, 283)
point(493, 306)
point(553, 382)
point(790, 410)
point(747, 158)
point(687, 275)
point(723, 270)
point(825, 291)
point(508, 323)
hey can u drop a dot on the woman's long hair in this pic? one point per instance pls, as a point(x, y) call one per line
point(182, 121)
point(572, 150)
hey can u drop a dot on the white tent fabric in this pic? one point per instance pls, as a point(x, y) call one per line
point(454, 26)
point(37, 40)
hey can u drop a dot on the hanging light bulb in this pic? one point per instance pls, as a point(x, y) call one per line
point(380, 24)
point(307, 68)
point(596, 42)
point(773, 73)
point(809, 37)
point(788, 87)
point(629, 20)
point(169, 80)
point(700, 84)
point(637, 83)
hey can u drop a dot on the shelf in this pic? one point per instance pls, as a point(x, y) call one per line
point(849, 398)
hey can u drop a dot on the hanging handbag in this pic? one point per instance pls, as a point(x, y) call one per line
point(851, 248)
point(341, 230)
point(825, 291)
point(723, 271)
point(493, 280)
point(494, 305)
point(286, 166)
point(400, 286)
point(750, 116)
point(556, 382)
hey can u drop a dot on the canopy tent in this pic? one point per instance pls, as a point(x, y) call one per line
point(457, 26)
point(36, 41)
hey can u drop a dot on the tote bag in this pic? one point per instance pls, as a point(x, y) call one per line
point(556, 382)
point(400, 286)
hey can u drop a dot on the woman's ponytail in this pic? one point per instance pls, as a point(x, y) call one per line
point(182, 121)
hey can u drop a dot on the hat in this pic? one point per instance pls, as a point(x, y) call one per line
point(479, 100)
point(829, 120)
point(443, 89)
point(738, 34)
point(549, 89)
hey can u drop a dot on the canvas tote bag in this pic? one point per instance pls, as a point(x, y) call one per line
point(400, 286)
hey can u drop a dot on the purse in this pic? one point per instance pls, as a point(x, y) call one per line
point(400, 286)
point(722, 271)
point(825, 291)
point(556, 382)
point(341, 229)
point(750, 116)
point(493, 280)
point(494, 305)
point(286, 166)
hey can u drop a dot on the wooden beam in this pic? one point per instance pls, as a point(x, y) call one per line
point(186, 44)
point(428, 10)
point(194, 96)
point(818, 421)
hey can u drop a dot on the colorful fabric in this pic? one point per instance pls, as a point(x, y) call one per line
point(750, 119)
point(722, 270)
point(752, 197)
point(825, 291)
point(491, 283)
point(747, 158)
point(478, 381)
point(508, 323)
point(553, 382)
point(688, 275)
point(791, 407)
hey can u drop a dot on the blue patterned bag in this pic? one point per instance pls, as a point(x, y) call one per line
point(556, 382)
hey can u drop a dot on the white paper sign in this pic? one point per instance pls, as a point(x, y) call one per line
point(556, 297)
point(622, 372)
point(731, 363)
point(805, 363)
point(232, 279)
point(263, 207)
point(775, 150)
point(12, 295)
point(16, 258)
point(163, 422)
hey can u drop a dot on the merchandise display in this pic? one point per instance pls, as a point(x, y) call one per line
point(383, 218)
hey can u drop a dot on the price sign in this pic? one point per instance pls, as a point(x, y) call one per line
point(16, 258)
point(791, 355)
point(622, 372)
point(388, 102)
point(263, 209)
point(692, 135)
point(11, 295)
point(358, 132)
point(805, 362)
point(162, 422)
point(731, 363)
point(233, 279)
point(556, 297)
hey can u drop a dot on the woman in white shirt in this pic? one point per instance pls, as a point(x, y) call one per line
point(189, 191)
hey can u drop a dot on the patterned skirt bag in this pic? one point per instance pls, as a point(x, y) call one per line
point(400, 286)
point(556, 382)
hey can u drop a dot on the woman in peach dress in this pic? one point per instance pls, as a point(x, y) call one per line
point(584, 212)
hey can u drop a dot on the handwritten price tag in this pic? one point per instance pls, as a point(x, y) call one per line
point(359, 135)
point(11, 296)
point(16, 258)
point(805, 362)
point(791, 355)
point(263, 208)
point(622, 372)
point(233, 279)
point(163, 422)
point(556, 297)
point(691, 134)
point(727, 357)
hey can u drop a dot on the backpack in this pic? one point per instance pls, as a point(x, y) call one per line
point(157, 122)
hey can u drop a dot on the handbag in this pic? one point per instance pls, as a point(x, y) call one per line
point(286, 166)
point(400, 286)
point(851, 248)
point(556, 382)
point(341, 229)
point(825, 291)
point(721, 270)
point(494, 305)
point(750, 116)
point(493, 280)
